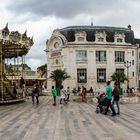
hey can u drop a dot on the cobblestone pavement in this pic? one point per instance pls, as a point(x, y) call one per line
point(74, 121)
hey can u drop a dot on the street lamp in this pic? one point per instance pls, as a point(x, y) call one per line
point(127, 64)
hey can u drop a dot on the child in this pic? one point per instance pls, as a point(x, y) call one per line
point(27, 93)
point(62, 95)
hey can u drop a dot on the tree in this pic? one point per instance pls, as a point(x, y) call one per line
point(119, 77)
point(42, 69)
point(59, 76)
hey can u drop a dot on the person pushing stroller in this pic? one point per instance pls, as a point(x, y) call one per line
point(102, 103)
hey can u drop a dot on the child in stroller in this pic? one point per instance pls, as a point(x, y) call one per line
point(102, 103)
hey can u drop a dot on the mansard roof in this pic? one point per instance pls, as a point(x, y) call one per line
point(137, 41)
point(69, 33)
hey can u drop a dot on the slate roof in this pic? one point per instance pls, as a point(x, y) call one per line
point(69, 33)
point(137, 41)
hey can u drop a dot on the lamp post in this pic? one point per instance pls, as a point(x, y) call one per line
point(127, 64)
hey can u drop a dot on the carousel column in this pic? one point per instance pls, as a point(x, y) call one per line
point(24, 73)
point(22, 66)
point(1, 73)
point(14, 69)
point(18, 74)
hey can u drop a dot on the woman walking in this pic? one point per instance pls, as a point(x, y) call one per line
point(116, 97)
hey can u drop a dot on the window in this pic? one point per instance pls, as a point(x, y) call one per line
point(132, 62)
point(133, 74)
point(100, 39)
point(139, 67)
point(101, 75)
point(81, 39)
point(120, 40)
point(120, 70)
point(81, 75)
point(56, 61)
point(119, 56)
point(100, 55)
point(81, 55)
point(132, 53)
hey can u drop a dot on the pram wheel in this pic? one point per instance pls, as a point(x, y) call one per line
point(97, 109)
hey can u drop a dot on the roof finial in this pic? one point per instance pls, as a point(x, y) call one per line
point(6, 27)
point(92, 21)
point(7, 24)
point(25, 33)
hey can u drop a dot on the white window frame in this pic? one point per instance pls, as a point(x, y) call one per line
point(101, 75)
point(119, 56)
point(82, 75)
point(81, 55)
point(100, 56)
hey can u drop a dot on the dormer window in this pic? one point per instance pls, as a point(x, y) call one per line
point(100, 36)
point(119, 37)
point(80, 39)
point(100, 39)
point(5, 33)
point(119, 40)
point(80, 36)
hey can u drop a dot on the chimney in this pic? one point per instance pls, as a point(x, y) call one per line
point(91, 21)
point(129, 27)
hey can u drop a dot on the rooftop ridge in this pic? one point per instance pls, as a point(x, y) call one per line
point(95, 27)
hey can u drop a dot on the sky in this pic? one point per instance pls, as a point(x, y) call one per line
point(41, 17)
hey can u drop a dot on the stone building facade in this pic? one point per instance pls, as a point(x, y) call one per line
point(91, 54)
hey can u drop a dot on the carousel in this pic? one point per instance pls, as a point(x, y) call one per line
point(13, 48)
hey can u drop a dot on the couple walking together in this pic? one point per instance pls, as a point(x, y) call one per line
point(115, 93)
point(64, 95)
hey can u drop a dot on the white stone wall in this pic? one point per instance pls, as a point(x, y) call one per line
point(68, 59)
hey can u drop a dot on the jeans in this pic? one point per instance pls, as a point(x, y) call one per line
point(37, 100)
point(68, 97)
point(110, 105)
point(54, 98)
point(63, 99)
point(117, 103)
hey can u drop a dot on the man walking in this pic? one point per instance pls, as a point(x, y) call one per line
point(35, 94)
point(54, 93)
point(68, 93)
point(109, 98)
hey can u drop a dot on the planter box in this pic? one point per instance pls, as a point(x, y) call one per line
point(125, 100)
point(94, 100)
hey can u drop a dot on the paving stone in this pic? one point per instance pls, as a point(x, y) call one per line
point(75, 121)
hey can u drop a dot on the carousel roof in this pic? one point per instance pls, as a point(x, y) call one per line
point(13, 43)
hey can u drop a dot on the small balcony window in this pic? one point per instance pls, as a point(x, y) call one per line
point(100, 39)
point(120, 40)
point(80, 39)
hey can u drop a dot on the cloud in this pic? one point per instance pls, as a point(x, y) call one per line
point(40, 18)
point(61, 8)
point(34, 63)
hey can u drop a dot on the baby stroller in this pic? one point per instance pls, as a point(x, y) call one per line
point(102, 104)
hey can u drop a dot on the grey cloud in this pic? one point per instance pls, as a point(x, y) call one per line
point(61, 8)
